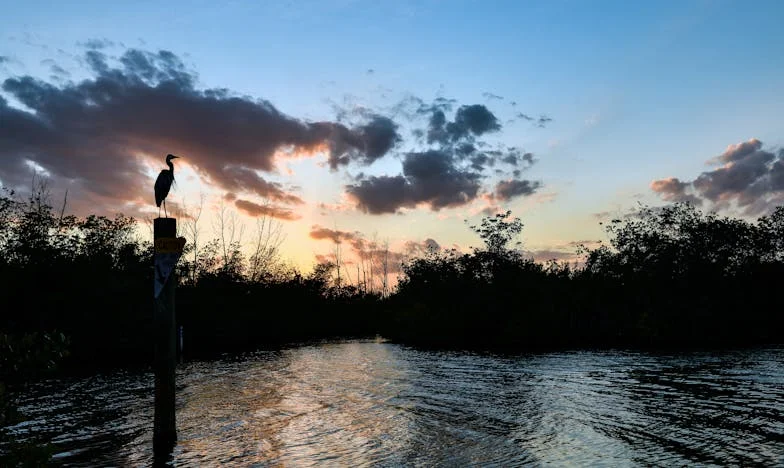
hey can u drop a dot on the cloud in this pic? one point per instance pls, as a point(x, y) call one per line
point(99, 136)
point(376, 258)
point(429, 177)
point(473, 120)
point(247, 180)
point(508, 189)
point(418, 249)
point(338, 237)
point(491, 96)
point(96, 44)
point(372, 257)
point(587, 243)
point(98, 133)
point(738, 151)
point(4, 59)
point(452, 168)
point(749, 176)
point(256, 210)
point(562, 252)
point(334, 207)
point(545, 255)
point(540, 122)
point(323, 259)
point(672, 189)
point(57, 70)
point(376, 138)
point(517, 157)
point(543, 120)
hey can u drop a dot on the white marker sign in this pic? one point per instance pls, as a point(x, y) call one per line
point(167, 252)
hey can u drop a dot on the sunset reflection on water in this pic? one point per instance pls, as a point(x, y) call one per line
point(380, 404)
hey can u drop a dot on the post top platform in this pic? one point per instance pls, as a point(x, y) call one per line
point(164, 227)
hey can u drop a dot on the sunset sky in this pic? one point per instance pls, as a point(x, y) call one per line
point(401, 119)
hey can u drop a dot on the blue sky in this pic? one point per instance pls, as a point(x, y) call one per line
point(637, 91)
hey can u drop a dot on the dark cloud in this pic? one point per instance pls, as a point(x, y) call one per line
point(540, 122)
point(99, 135)
point(377, 138)
point(436, 132)
point(473, 120)
point(749, 176)
point(57, 70)
point(452, 171)
point(508, 189)
point(381, 194)
point(96, 44)
point(480, 160)
point(4, 59)
point(429, 177)
point(543, 120)
point(491, 96)
point(256, 210)
point(371, 136)
point(517, 157)
point(96, 133)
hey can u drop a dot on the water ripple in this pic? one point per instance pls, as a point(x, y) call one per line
point(378, 404)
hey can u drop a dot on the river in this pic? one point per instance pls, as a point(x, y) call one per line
point(366, 403)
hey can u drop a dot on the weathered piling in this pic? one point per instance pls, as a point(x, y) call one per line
point(167, 250)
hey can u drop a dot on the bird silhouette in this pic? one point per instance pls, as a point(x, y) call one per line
point(163, 183)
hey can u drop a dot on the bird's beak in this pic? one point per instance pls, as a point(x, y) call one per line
point(174, 157)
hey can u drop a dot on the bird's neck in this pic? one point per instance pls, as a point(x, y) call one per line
point(171, 166)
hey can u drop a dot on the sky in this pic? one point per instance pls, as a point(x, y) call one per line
point(401, 121)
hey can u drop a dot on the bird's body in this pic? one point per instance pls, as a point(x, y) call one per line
point(163, 184)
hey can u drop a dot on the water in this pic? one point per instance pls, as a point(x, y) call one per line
point(379, 404)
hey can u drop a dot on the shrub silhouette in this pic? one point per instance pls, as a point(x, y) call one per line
point(671, 276)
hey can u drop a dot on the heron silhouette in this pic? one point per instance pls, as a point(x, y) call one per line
point(163, 183)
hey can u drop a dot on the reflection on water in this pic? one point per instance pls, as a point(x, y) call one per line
point(368, 403)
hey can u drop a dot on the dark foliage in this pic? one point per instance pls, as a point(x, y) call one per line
point(672, 276)
point(91, 279)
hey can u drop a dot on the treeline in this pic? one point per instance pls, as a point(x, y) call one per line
point(673, 276)
point(91, 280)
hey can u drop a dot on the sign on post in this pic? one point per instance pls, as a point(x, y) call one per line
point(167, 251)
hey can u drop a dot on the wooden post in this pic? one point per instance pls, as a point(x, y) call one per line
point(165, 428)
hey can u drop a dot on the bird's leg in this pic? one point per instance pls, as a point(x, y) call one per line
point(164, 209)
